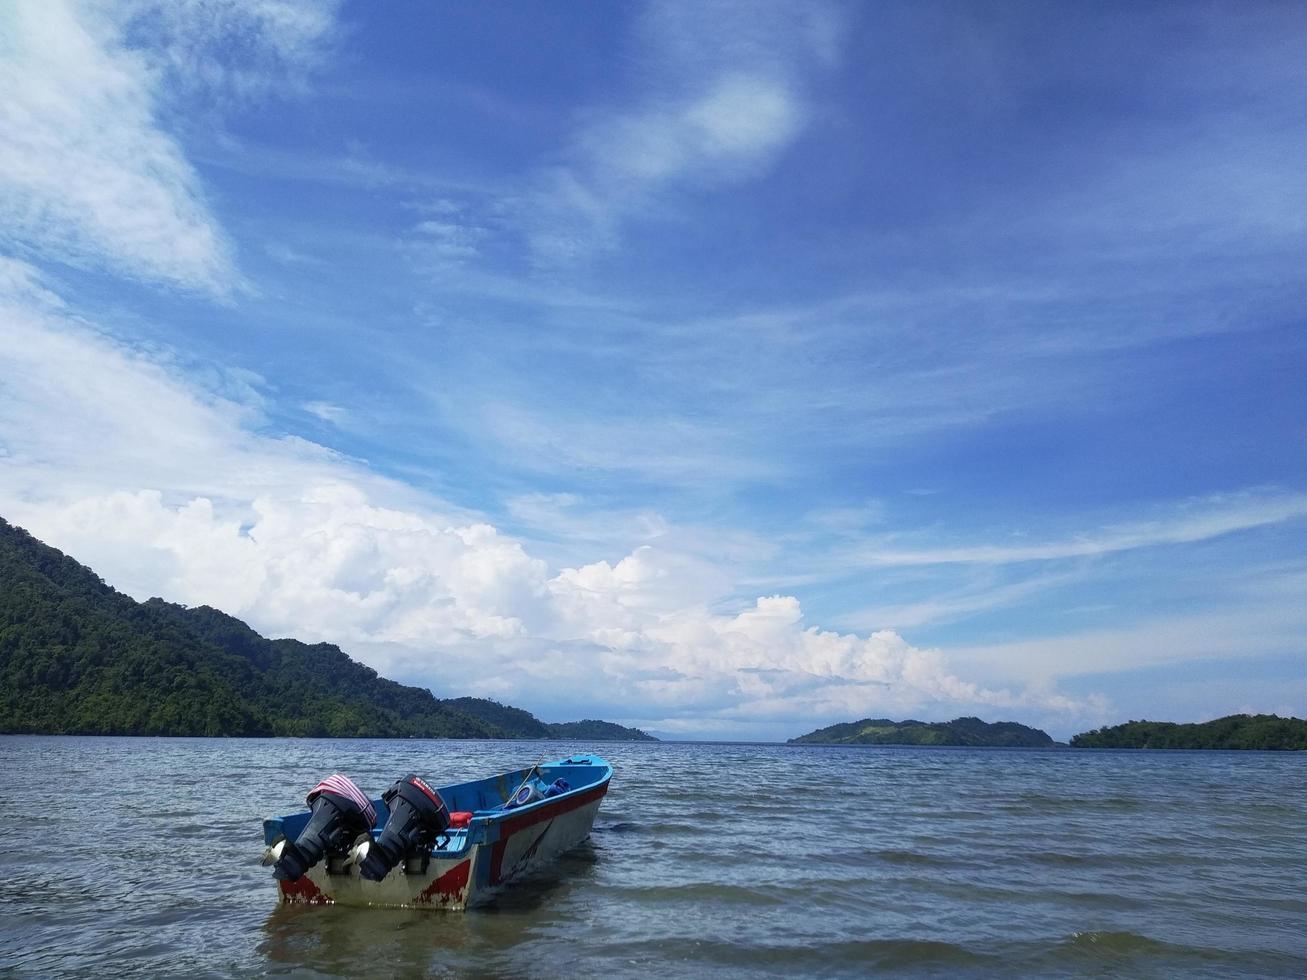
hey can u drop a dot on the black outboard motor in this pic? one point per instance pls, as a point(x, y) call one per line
point(341, 813)
point(417, 817)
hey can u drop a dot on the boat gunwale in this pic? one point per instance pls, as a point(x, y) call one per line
point(482, 819)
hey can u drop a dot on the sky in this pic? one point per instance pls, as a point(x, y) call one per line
point(725, 369)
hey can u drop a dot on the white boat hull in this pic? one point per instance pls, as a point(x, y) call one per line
point(469, 871)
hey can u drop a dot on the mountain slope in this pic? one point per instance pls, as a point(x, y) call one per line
point(592, 730)
point(78, 657)
point(501, 716)
point(515, 719)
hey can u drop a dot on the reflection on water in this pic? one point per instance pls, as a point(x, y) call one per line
point(328, 939)
point(139, 857)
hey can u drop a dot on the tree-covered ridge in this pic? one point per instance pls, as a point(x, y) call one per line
point(528, 726)
point(78, 657)
point(517, 720)
point(959, 731)
point(501, 716)
point(593, 730)
point(1231, 732)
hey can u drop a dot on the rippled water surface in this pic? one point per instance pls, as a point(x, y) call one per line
point(139, 857)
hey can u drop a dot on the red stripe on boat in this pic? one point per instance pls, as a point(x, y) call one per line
point(512, 825)
point(448, 886)
point(303, 890)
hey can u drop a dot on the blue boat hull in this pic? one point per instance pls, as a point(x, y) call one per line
point(496, 847)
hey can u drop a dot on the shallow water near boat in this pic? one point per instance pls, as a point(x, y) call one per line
point(140, 857)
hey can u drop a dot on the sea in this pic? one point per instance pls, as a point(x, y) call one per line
point(124, 857)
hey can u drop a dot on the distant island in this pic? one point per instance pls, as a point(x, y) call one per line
point(77, 657)
point(959, 731)
point(1231, 732)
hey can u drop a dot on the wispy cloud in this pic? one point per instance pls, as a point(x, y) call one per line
point(955, 604)
point(683, 334)
point(723, 90)
point(1242, 630)
point(739, 120)
point(247, 49)
point(89, 173)
point(86, 175)
point(1197, 520)
point(327, 411)
point(1015, 300)
point(115, 455)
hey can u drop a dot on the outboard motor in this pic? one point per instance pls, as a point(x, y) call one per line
point(341, 813)
point(417, 817)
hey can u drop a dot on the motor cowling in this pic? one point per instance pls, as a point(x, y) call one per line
point(340, 814)
point(417, 817)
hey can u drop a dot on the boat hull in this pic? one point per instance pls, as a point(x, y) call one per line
point(492, 854)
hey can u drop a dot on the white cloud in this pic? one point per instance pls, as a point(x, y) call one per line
point(666, 447)
point(723, 91)
point(1200, 520)
point(242, 48)
point(738, 120)
point(88, 172)
point(86, 175)
point(327, 411)
point(324, 564)
point(448, 239)
point(1242, 629)
point(847, 519)
point(956, 604)
point(165, 488)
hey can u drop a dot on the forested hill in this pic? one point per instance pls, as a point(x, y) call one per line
point(515, 719)
point(1231, 732)
point(78, 657)
point(959, 731)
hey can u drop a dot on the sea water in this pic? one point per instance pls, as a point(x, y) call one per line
point(125, 857)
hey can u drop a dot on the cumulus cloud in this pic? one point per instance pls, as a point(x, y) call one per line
point(438, 601)
point(765, 657)
point(323, 565)
point(117, 456)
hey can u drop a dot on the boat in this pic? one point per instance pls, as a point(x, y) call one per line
point(448, 847)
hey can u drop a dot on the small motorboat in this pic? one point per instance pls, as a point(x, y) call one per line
point(422, 847)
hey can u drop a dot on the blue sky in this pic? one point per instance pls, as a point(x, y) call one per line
point(727, 369)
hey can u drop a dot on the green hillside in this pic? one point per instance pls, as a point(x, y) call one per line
point(1231, 732)
point(960, 731)
point(501, 716)
point(598, 731)
point(515, 719)
point(78, 657)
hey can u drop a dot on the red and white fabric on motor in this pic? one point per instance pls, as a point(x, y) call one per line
point(344, 786)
